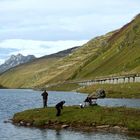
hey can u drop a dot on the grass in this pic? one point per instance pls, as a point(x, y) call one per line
point(89, 116)
point(127, 90)
point(2, 87)
point(64, 87)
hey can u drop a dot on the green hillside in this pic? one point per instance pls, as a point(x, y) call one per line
point(115, 53)
point(27, 75)
point(122, 57)
point(54, 70)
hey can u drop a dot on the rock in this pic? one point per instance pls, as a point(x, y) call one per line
point(101, 93)
point(28, 124)
point(47, 123)
point(116, 128)
point(102, 126)
point(5, 121)
point(21, 123)
point(93, 124)
point(8, 121)
point(64, 126)
point(124, 129)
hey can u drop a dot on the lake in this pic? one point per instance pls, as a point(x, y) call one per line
point(16, 100)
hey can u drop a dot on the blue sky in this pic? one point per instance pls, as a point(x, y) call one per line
point(42, 27)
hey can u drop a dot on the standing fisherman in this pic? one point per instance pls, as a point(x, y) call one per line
point(45, 98)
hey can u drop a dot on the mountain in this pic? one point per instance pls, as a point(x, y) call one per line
point(29, 74)
point(115, 53)
point(15, 60)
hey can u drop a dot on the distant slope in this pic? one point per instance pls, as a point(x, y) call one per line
point(115, 53)
point(27, 75)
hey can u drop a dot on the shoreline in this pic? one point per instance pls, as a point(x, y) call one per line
point(100, 128)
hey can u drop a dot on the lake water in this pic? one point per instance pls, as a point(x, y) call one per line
point(16, 100)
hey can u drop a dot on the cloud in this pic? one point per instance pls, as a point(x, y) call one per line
point(42, 27)
point(63, 19)
point(37, 48)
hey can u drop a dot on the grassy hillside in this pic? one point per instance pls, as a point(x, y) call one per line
point(27, 75)
point(115, 53)
point(53, 70)
point(123, 55)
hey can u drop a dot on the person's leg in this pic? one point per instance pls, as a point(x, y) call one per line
point(58, 111)
point(43, 103)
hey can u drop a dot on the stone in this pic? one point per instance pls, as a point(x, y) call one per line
point(5, 121)
point(21, 123)
point(64, 126)
point(8, 121)
point(28, 124)
point(116, 128)
point(102, 126)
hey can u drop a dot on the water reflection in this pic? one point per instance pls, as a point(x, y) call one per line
point(69, 135)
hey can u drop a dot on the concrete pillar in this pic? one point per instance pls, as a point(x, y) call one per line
point(126, 79)
point(120, 80)
point(115, 80)
point(112, 81)
point(131, 80)
point(137, 79)
point(107, 81)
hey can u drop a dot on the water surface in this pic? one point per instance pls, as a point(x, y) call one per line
point(16, 100)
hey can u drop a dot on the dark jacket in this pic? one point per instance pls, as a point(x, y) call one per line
point(60, 104)
point(45, 95)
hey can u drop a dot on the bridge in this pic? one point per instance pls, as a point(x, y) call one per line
point(130, 78)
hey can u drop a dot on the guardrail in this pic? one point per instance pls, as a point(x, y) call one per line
point(112, 80)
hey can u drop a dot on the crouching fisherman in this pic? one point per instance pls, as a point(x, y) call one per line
point(90, 100)
point(58, 107)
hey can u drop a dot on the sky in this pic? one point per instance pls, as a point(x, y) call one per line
point(42, 27)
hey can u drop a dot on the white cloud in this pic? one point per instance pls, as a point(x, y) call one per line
point(27, 25)
point(37, 48)
point(63, 19)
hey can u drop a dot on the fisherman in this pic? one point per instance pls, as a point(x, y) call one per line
point(45, 98)
point(58, 107)
point(88, 100)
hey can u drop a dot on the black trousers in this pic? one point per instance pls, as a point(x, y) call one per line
point(58, 111)
point(44, 103)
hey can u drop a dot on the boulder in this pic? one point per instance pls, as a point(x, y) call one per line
point(65, 126)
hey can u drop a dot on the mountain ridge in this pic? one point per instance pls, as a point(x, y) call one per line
point(15, 60)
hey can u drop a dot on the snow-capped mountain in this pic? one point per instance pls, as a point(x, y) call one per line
point(15, 60)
